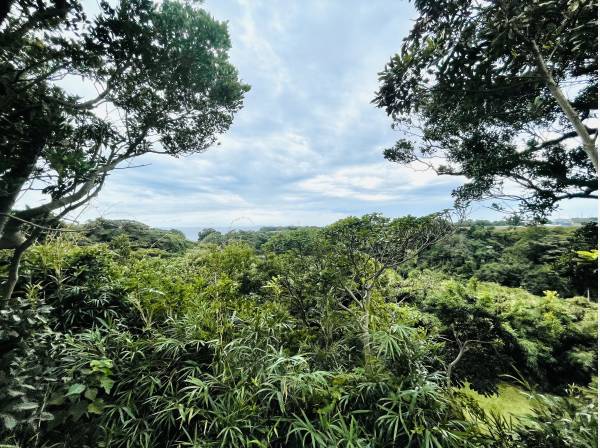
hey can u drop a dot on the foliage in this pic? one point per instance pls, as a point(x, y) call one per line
point(221, 346)
point(534, 258)
point(549, 339)
point(134, 234)
point(254, 238)
point(26, 367)
point(510, 402)
point(477, 83)
point(569, 421)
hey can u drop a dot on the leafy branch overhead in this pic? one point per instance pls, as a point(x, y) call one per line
point(165, 86)
point(501, 93)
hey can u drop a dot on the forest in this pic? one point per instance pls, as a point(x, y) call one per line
point(427, 331)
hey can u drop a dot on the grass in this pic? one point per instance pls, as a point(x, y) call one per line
point(510, 401)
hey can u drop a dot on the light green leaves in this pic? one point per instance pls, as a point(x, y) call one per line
point(75, 389)
point(9, 421)
point(106, 384)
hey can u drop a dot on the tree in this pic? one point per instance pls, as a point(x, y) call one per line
point(165, 87)
point(341, 267)
point(204, 233)
point(580, 263)
point(138, 235)
point(364, 248)
point(484, 86)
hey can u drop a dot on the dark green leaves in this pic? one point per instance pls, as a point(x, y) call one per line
point(466, 91)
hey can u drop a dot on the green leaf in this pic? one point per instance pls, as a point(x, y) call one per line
point(25, 406)
point(101, 364)
point(9, 421)
point(106, 384)
point(46, 416)
point(78, 409)
point(91, 393)
point(15, 393)
point(95, 407)
point(57, 399)
point(75, 389)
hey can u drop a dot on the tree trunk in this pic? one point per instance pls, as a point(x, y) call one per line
point(12, 181)
point(366, 335)
point(15, 264)
point(589, 145)
point(461, 351)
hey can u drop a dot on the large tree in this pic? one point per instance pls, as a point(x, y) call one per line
point(500, 92)
point(164, 82)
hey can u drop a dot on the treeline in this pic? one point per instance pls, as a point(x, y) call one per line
point(255, 238)
point(133, 234)
point(535, 258)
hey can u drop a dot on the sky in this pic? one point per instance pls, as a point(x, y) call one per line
point(306, 149)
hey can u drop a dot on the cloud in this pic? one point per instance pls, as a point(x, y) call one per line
point(285, 153)
point(255, 48)
point(377, 182)
point(306, 149)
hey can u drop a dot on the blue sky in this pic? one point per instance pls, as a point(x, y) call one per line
point(307, 147)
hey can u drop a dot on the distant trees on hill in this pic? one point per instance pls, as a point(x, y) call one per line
point(135, 234)
point(534, 258)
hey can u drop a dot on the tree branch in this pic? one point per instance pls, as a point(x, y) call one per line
point(86, 188)
point(588, 143)
point(15, 263)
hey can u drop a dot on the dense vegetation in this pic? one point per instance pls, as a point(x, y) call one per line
point(255, 238)
point(321, 339)
point(132, 235)
point(534, 258)
point(370, 332)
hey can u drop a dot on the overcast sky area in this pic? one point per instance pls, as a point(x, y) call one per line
point(307, 147)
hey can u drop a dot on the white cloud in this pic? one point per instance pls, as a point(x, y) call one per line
point(279, 152)
point(371, 182)
point(255, 48)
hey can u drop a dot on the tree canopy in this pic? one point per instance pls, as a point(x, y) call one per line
point(134, 234)
point(164, 83)
point(320, 340)
point(165, 86)
point(480, 90)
